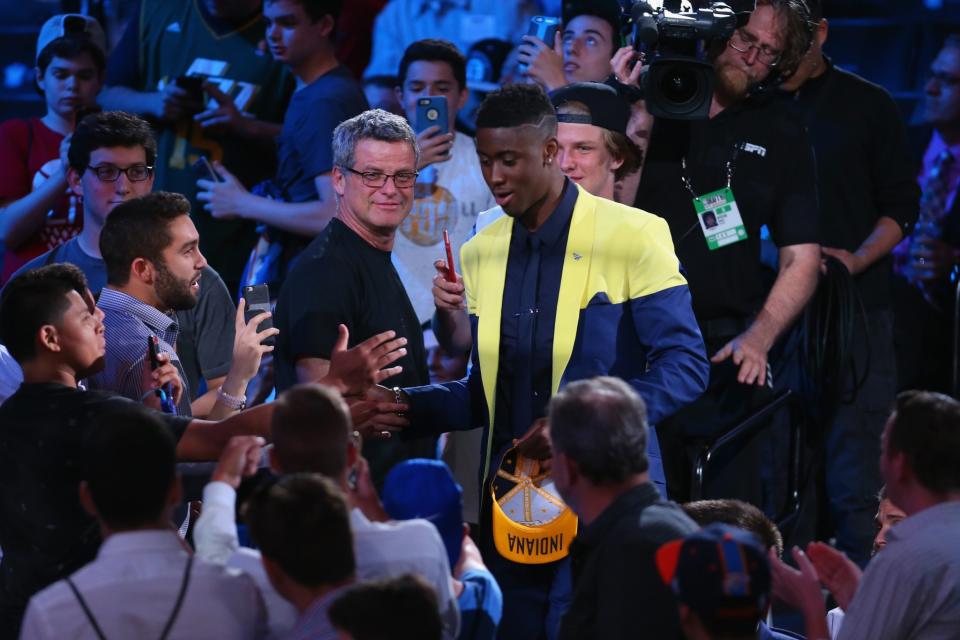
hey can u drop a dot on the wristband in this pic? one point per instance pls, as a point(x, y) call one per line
point(237, 403)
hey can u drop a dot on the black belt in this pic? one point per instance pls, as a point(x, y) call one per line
point(727, 327)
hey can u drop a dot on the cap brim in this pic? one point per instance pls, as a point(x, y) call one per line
point(667, 558)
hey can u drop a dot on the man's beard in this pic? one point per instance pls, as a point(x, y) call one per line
point(174, 293)
point(732, 82)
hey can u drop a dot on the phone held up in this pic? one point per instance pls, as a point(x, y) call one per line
point(544, 28)
point(257, 298)
point(432, 111)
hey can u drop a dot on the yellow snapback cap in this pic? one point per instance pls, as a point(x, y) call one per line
point(531, 522)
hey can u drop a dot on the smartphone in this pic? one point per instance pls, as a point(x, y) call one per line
point(257, 297)
point(432, 111)
point(545, 29)
point(451, 271)
point(194, 86)
point(204, 170)
point(164, 392)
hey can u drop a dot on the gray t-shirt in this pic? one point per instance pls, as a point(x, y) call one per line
point(206, 332)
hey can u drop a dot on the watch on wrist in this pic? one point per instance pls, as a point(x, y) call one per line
point(397, 398)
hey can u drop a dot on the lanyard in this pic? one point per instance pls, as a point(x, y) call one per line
point(685, 177)
point(730, 166)
point(170, 620)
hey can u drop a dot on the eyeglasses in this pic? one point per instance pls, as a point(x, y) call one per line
point(744, 42)
point(376, 179)
point(110, 173)
point(943, 78)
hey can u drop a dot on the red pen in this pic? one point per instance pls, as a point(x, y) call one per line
point(451, 272)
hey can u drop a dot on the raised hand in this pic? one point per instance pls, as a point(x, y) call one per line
point(839, 574)
point(449, 296)
point(239, 460)
point(248, 347)
point(434, 146)
point(355, 370)
point(544, 62)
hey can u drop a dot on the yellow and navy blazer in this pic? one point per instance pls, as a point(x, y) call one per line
point(623, 310)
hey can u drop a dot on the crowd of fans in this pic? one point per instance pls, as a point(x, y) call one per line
point(435, 350)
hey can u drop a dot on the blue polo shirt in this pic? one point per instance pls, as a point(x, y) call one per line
point(526, 348)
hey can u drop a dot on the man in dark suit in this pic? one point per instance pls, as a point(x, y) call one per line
point(926, 261)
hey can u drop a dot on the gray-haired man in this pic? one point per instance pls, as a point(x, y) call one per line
point(345, 276)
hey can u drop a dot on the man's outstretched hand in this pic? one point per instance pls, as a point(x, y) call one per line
point(355, 370)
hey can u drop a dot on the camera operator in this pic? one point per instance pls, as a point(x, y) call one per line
point(751, 165)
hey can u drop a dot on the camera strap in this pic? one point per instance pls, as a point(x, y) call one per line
point(717, 212)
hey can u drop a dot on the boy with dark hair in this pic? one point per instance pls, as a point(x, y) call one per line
point(111, 158)
point(583, 49)
point(49, 322)
point(450, 192)
point(131, 487)
point(406, 610)
point(37, 210)
point(300, 199)
point(302, 526)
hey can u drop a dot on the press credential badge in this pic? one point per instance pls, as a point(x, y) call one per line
point(719, 218)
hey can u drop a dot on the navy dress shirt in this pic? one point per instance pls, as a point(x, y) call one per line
point(526, 343)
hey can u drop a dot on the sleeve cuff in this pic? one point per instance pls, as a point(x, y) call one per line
point(221, 494)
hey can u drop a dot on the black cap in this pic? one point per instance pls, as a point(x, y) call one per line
point(485, 63)
point(608, 109)
point(607, 10)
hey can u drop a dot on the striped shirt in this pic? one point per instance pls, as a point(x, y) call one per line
point(912, 589)
point(128, 323)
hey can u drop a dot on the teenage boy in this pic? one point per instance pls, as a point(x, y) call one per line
point(450, 191)
point(37, 211)
point(300, 199)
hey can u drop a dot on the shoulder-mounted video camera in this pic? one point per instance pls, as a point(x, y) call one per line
point(678, 82)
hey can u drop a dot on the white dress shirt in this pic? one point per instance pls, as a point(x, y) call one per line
point(131, 589)
point(382, 550)
point(912, 588)
point(10, 374)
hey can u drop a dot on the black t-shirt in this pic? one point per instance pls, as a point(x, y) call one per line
point(864, 168)
point(44, 532)
point(340, 279)
point(773, 182)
